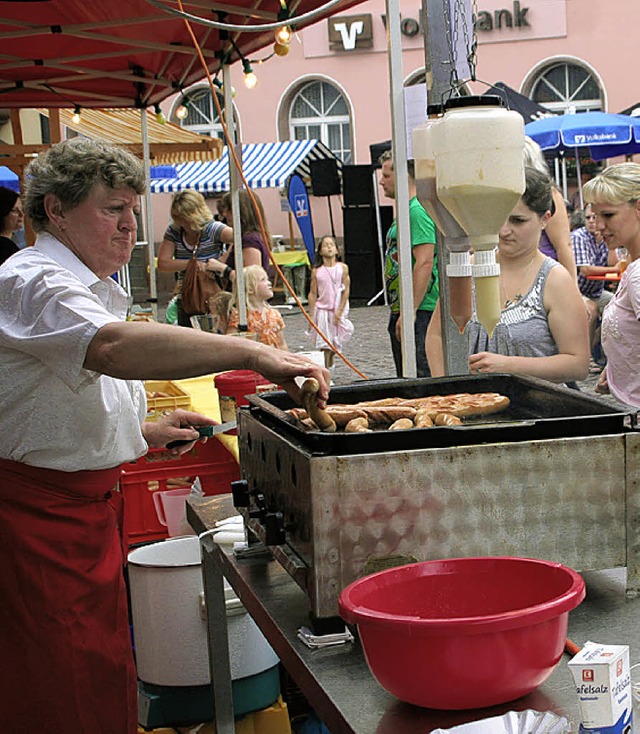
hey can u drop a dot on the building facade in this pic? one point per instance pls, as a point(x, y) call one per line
point(568, 55)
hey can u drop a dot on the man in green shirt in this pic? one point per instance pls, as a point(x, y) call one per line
point(424, 269)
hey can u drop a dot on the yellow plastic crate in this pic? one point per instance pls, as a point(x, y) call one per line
point(172, 399)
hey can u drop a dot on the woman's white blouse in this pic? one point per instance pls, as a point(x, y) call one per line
point(54, 413)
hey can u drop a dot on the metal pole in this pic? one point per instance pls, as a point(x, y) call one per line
point(148, 212)
point(438, 75)
point(234, 185)
point(399, 144)
point(579, 176)
point(380, 234)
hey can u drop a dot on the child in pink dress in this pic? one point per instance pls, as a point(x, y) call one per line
point(329, 299)
point(263, 320)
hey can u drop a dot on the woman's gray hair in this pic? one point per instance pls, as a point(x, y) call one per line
point(69, 170)
point(617, 184)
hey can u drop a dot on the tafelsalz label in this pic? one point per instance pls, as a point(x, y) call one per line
point(603, 684)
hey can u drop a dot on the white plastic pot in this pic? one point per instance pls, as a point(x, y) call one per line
point(169, 626)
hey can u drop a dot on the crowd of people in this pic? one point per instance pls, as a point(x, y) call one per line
point(74, 406)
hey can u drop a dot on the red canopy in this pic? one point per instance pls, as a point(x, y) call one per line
point(125, 53)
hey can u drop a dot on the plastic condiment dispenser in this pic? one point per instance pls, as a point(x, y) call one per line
point(478, 148)
point(455, 238)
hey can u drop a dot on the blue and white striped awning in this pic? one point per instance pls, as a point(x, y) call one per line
point(264, 165)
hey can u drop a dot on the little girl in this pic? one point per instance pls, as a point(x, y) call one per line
point(263, 320)
point(329, 299)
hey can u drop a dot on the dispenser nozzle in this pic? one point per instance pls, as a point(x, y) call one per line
point(486, 275)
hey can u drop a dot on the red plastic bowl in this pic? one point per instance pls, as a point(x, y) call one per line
point(463, 633)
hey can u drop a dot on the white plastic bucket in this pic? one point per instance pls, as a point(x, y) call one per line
point(171, 507)
point(169, 625)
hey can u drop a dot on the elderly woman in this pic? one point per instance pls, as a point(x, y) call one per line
point(192, 229)
point(11, 220)
point(72, 413)
point(614, 196)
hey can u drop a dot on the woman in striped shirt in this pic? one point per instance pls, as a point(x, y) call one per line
point(192, 226)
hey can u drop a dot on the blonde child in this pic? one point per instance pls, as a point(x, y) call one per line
point(329, 299)
point(263, 320)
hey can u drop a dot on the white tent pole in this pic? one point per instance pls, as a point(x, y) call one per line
point(148, 211)
point(579, 176)
point(376, 204)
point(399, 144)
point(234, 185)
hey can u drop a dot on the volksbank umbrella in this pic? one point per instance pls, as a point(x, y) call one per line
point(604, 134)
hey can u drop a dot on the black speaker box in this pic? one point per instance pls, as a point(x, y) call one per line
point(366, 274)
point(357, 185)
point(359, 227)
point(324, 177)
point(362, 253)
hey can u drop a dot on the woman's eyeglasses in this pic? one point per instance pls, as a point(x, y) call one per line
point(17, 211)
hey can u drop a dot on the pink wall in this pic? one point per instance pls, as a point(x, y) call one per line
point(602, 35)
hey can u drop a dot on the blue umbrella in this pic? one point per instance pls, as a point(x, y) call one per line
point(9, 179)
point(606, 135)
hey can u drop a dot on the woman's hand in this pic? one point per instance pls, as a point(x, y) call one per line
point(602, 385)
point(202, 266)
point(215, 266)
point(176, 426)
point(488, 362)
point(283, 367)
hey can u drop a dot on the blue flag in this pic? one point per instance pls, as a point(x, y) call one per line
point(299, 203)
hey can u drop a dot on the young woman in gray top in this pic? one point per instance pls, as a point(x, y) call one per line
point(543, 328)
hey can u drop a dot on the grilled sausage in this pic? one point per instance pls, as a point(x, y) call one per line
point(320, 417)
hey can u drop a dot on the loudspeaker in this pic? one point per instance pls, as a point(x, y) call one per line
point(357, 185)
point(365, 273)
point(362, 254)
point(359, 228)
point(324, 177)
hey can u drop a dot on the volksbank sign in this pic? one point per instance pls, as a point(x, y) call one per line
point(347, 33)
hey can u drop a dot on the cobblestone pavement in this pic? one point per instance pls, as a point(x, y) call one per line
point(369, 348)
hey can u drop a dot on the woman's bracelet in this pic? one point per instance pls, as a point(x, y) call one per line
point(227, 271)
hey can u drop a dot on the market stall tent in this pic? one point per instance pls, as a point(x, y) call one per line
point(130, 54)
point(264, 165)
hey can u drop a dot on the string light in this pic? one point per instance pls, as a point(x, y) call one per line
point(280, 49)
point(75, 118)
point(250, 79)
point(283, 35)
point(160, 118)
point(183, 110)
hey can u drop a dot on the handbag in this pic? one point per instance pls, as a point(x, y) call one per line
point(197, 288)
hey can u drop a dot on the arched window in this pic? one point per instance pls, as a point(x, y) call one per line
point(201, 113)
point(319, 112)
point(565, 87)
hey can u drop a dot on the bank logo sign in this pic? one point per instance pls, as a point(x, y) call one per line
point(351, 32)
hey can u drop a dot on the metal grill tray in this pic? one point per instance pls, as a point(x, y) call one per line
point(538, 410)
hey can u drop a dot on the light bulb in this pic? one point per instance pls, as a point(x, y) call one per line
point(182, 112)
point(160, 118)
point(283, 35)
point(75, 118)
point(280, 49)
point(250, 80)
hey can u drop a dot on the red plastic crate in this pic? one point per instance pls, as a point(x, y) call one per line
point(210, 461)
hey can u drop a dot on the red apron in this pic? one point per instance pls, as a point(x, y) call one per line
point(66, 663)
